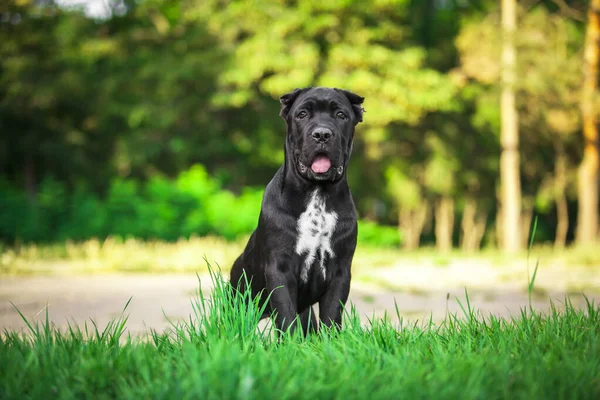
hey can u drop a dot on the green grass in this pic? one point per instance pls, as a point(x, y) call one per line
point(220, 353)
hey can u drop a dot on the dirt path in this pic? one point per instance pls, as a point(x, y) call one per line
point(158, 297)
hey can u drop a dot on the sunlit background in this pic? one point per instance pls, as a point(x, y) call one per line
point(137, 137)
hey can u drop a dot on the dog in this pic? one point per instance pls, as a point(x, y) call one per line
point(301, 251)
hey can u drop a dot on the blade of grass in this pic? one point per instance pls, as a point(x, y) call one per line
point(24, 318)
point(530, 282)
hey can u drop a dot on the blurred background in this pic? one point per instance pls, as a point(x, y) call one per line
point(139, 135)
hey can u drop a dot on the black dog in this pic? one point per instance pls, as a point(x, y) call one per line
point(302, 249)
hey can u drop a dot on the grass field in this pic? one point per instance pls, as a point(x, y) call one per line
point(219, 353)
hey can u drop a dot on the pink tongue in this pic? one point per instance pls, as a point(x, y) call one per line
point(321, 164)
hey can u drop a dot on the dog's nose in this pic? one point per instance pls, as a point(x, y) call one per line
point(322, 135)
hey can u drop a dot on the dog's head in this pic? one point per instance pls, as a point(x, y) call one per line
point(320, 129)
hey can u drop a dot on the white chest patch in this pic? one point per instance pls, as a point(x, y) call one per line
point(315, 229)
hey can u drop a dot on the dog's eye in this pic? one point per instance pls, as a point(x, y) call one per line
point(341, 115)
point(301, 114)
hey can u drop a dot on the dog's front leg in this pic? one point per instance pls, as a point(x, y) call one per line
point(331, 305)
point(283, 299)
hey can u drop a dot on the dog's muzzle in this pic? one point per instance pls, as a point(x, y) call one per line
point(304, 168)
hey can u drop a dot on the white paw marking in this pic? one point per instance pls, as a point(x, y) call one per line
point(315, 229)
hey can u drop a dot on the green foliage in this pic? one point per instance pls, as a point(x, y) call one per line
point(103, 107)
point(89, 214)
point(194, 204)
point(336, 45)
point(231, 216)
point(548, 82)
point(373, 234)
point(15, 212)
point(219, 353)
point(441, 168)
point(406, 191)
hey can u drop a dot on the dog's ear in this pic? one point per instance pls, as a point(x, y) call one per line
point(287, 100)
point(356, 102)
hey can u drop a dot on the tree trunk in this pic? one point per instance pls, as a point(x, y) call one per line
point(560, 185)
point(411, 223)
point(480, 223)
point(509, 136)
point(472, 226)
point(562, 226)
point(444, 223)
point(587, 217)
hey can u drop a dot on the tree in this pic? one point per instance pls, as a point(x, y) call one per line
point(361, 46)
point(587, 218)
point(547, 90)
point(510, 180)
point(48, 95)
point(159, 85)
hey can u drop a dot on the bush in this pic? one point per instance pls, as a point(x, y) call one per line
point(232, 217)
point(200, 189)
point(124, 209)
point(193, 204)
point(164, 210)
point(87, 216)
point(16, 214)
point(372, 234)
